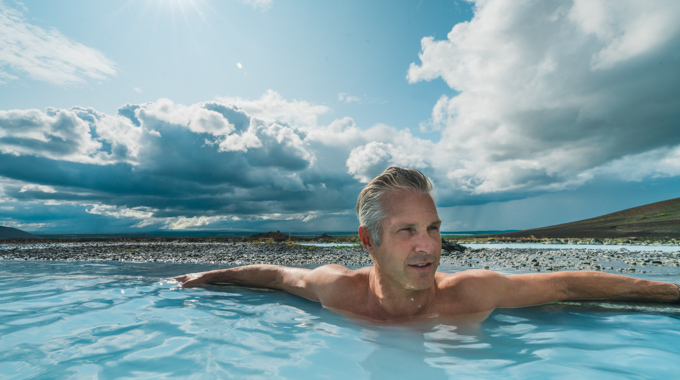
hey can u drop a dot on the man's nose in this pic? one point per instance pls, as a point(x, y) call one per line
point(424, 242)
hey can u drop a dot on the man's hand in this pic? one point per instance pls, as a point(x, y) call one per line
point(195, 279)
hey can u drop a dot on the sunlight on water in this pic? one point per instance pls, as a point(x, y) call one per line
point(83, 320)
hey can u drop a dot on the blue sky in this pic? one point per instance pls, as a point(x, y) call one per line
point(265, 115)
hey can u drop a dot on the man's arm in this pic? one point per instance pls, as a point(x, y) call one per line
point(540, 288)
point(307, 283)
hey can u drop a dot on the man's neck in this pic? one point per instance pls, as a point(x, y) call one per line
point(391, 301)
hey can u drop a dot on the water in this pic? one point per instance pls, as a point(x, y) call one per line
point(608, 247)
point(612, 247)
point(125, 320)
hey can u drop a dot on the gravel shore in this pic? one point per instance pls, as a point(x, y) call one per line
point(240, 253)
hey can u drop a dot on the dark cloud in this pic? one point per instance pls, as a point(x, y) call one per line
point(159, 161)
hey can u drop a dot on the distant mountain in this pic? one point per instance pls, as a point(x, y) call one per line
point(655, 220)
point(13, 233)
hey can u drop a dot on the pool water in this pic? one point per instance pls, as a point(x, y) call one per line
point(124, 320)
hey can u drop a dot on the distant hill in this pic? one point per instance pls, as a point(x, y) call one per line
point(13, 233)
point(655, 220)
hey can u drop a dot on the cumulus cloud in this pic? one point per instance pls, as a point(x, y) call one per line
point(365, 162)
point(549, 95)
point(657, 163)
point(548, 92)
point(168, 165)
point(272, 107)
point(46, 55)
point(75, 135)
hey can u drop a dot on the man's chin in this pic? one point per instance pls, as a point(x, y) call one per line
point(422, 284)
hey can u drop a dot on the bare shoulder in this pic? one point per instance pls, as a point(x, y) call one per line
point(467, 278)
point(470, 291)
point(337, 285)
point(332, 273)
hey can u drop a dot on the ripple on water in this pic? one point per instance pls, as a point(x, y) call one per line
point(115, 324)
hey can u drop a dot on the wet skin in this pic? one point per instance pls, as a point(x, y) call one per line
point(404, 283)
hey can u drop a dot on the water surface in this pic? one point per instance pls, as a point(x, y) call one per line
point(126, 320)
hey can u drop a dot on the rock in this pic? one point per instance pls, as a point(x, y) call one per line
point(450, 246)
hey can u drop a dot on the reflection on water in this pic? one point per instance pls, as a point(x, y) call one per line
point(125, 320)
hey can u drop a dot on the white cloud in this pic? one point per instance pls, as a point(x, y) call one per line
point(23, 226)
point(345, 98)
point(5, 77)
point(658, 163)
point(75, 135)
point(630, 28)
point(58, 134)
point(44, 189)
point(402, 149)
point(272, 107)
point(46, 55)
point(550, 91)
point(183, 223)
point(197, 118)
point(120, 212)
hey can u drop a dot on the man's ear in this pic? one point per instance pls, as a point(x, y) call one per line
point(365, 238)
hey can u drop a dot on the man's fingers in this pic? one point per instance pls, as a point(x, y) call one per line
point(190, 283)
point(191, 279)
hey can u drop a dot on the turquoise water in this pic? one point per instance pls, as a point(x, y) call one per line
point(608, 247)
point(125, 320)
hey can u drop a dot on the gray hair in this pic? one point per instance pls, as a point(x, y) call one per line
point(370, 209)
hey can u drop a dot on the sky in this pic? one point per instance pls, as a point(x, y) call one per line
point(258, 115)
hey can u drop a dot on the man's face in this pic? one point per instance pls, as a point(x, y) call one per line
point(411, 245)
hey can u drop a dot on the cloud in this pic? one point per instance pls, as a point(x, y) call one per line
point(46, 55)
point(367, 161)
point(550, 92)
point(272, 107)
point(76, 135)
point(657, 163)
point(548, 96)
point(345, 98)
point(168, 165)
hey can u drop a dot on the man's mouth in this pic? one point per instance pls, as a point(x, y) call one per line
point(421, 265)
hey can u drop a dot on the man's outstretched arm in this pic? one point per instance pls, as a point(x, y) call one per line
point(299, 281)
point(534, 289)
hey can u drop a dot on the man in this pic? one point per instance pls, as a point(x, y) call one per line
point(400, 230)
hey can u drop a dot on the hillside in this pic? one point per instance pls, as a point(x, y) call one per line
point(655, 220)
point(13, 233)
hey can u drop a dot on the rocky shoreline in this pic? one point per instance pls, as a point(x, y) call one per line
point(242, 253)
point(659, 241)
point(549, 260)
point(227, 253)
